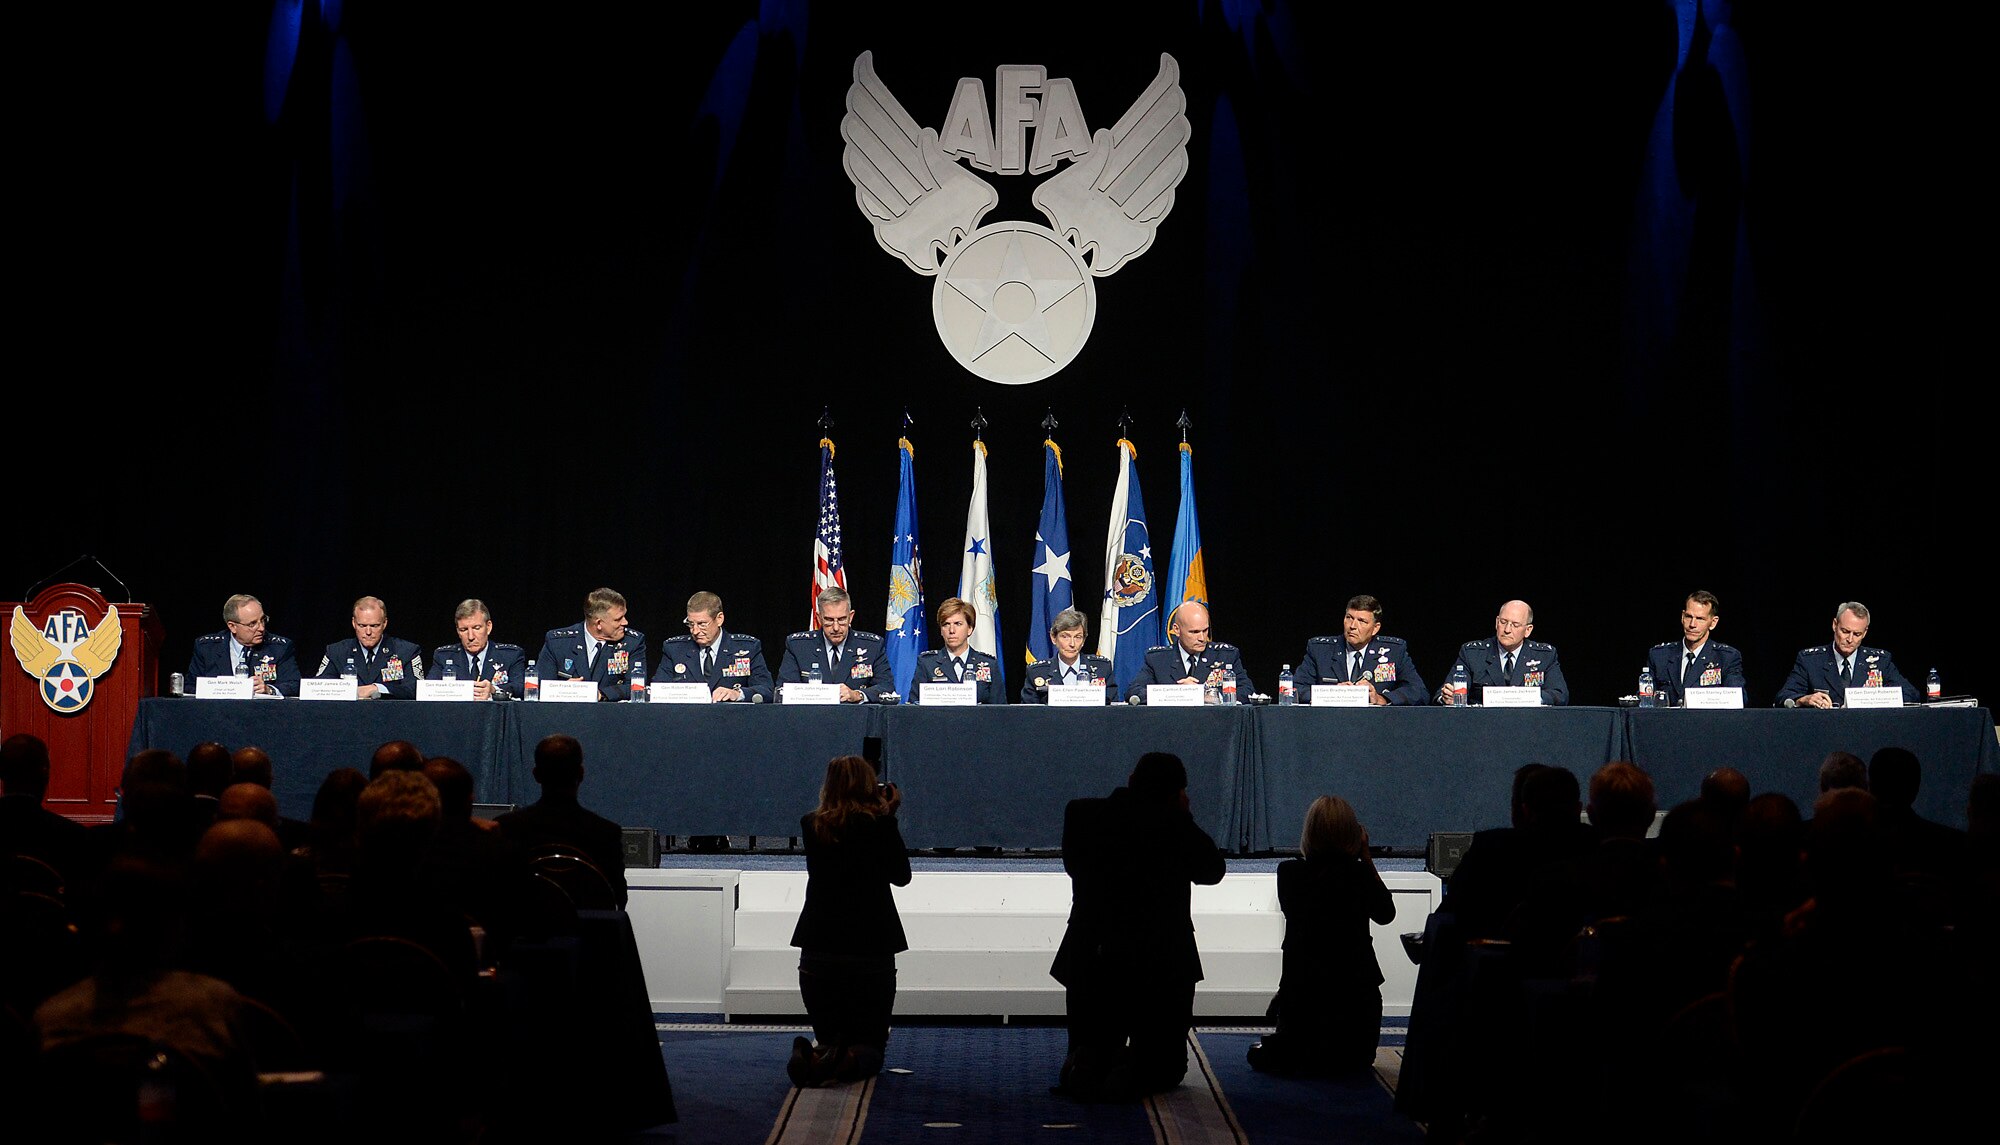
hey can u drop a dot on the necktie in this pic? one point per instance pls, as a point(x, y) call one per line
point(596, 659)
point(708, 661)
point(1687, 673)
point(1507, 668)
point(957, 670)
point(1846, 671)
point(833, 657)
point(475, 665)
point(1354, 669)
point(367, 655)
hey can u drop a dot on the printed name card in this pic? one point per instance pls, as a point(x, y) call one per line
point(960, 695)
point(569, 691)
point(1173, 695)
point(314, 688)
point(683, 692)
point(224, 688)
point(1874, 697)
point(1498, 696)
point(454, 691)
point(1712, 698)
point(1078, 695)
point(1340, 696)
point(810, 693)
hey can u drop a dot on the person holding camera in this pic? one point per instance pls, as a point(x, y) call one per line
point(849, 933)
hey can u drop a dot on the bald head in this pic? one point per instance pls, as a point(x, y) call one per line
point(1191, 627)
point(248, 801)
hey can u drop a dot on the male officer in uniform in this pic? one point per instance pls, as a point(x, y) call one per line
point(1192, 658)
point(602, 648)
point(958, 662)
point(384, 665)
point(1509, 659)
point(1071, 665)
point(1362, 657)
point(497, 671)
point(246, 640)
point(1822, 674)
point(1694, 661)
point(730, 663)
point(852, 659)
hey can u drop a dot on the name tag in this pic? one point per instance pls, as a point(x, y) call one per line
point(1874, 697)
point(683, 692)
point(224, 687)
point(1712, 698)
point(948, 695)
point(1173, 695)
point(809, 693)
point(1339, 696)
point(454, 691)
point(1082, 695)
point(1498, 696)
point(568, 692)
point(314, 688)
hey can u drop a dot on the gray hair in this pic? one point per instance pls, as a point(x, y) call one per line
point(234, 605)
point(1859, 609)
point(831, 596)
point(469, 607)
point(1067, 620)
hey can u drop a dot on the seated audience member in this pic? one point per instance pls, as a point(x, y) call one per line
point(1493, 876)
point(849, 933)
point(1728, 791)
point(208, 770)
point(396, 755)
point(1128, 962)
point(1770, 863)
point(253, 765)
point(396, 818)
point(248, 801)
point(1329, 1003)
point(466, 863)
point(158, 822)
point(27, 827)
point(332, 832)
point(1916, 845)
point(559, 817)
point(243, 932)
point(1612, 879)
point(1842, 769)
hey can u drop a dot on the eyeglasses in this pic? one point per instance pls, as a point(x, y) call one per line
point(691, 622)
point(260, 622)
point(1511, 625)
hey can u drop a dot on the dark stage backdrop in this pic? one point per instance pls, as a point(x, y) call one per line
point(1587, 303)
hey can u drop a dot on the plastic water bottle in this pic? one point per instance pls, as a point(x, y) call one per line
point(814, 675)
point(1461, 687)
point(531, 686)
point(1646, 686)
point(243, 666)
point(1288, 688)
point(638, 681)
point(1933, 688)
point(450, 669)
point(348, 672)
point(1229, 685)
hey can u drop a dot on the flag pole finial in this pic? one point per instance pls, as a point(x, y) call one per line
point(979, 422)
point(826, 419)
point(908, 421)
point(1184, 423)
point(1049, 422)
point(1125, 422)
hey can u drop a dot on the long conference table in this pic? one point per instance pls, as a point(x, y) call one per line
point(1000, 776)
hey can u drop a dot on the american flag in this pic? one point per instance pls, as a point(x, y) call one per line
point(827, 571)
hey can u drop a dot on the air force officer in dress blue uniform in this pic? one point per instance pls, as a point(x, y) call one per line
point(1822, 674)
point(1362, 657)
point(1192, 658)
point(246, 640)
point(602, 648)
point(852, 659)
point(384, 665)
point(497, 671)
point(1695, 660)
point(730, 663)
point(958, 662)
point(1071, 665)
point(1509, 659)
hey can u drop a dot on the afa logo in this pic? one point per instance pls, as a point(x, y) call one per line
point(66, 654)
point(1014, 301)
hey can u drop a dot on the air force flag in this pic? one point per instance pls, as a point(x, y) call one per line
point(1131, 620)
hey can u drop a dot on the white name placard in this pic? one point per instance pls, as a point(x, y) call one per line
point(1712, 698)
point(223, 688)
point(1339, 696)
point(314, 688)
point(1499, 696)
point(960, 695)
point(1174, 695)
point(1078, 695)
point(569, 691)
point(682, 692)
point(810, 693)
point(1874, 697)
point(453, 691)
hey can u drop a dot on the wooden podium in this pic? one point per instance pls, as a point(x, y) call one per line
point(74, 680)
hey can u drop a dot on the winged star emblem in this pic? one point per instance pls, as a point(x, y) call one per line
point(66, 668)
point(1015, 301)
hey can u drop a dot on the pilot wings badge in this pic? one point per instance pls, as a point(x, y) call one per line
point(66, 655)
point(1015, 301)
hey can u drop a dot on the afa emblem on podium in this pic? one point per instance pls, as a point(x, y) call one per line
point(1013, 301)
point(66, 655)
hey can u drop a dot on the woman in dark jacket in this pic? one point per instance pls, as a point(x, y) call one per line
point(1329, 1003)
point(849, 933)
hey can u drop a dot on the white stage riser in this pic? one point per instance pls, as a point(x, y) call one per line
point(716, 942)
